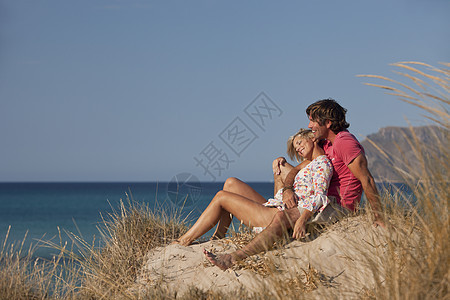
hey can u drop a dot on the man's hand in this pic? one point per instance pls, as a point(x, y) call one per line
point(289, 199)
point(276, 165)
point(299, 229)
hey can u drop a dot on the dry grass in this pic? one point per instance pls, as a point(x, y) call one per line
point(259, 264)
point(418, 267)
point(91, 271)
point(126, 235)
point(16, 282)
point(23, 276)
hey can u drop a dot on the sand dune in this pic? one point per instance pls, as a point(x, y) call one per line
point(338, 257)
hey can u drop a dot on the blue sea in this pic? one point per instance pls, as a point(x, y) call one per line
point(37, 210)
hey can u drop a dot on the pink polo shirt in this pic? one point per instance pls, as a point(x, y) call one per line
point(344, 185)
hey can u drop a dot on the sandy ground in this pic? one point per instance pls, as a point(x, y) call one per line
point(338, 257)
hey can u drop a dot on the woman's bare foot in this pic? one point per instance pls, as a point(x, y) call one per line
point(223, 261)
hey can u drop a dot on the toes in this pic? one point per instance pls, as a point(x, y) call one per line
point(219, 261)
point(210, 256)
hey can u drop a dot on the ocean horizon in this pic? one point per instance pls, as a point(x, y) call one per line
point(44, 210)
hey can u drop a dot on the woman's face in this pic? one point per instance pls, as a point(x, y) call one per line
point(303, 146)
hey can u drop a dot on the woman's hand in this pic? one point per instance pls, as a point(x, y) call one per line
point(300, 224)
point(299, 229)
point(379, 221)
point(280, 161)
point(289, 198)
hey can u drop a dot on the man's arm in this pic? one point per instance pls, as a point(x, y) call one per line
point(281, 169)
point(360, 170)
point(289, 197)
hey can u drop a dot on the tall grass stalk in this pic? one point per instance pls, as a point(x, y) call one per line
point(102, 269)
point(24, 276)
point(416, 262)
point(127, 235)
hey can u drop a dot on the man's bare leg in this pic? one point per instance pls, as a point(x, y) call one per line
point(281, 222)
point(236, 186)
point(249, 212)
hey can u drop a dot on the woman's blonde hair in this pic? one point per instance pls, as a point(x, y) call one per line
point(304, 134)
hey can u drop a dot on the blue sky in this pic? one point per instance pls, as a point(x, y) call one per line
point(137, 90)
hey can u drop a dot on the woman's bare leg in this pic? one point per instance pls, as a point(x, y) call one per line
point(278, 183)
point(236, 186)
point(249, 212)
point(281, 222)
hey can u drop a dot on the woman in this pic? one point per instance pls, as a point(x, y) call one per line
point(244, 203)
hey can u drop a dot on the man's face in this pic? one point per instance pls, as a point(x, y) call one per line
point(320, 131)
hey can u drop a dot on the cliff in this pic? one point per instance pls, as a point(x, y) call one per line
point(393, 152)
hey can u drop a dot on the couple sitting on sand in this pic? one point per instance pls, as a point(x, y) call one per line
point(328, 183)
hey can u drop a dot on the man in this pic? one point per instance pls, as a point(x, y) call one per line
point(350, 177)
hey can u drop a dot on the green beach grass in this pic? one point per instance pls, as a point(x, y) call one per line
point(416, 267)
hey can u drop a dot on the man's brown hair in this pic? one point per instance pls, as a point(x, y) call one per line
point(328, 109)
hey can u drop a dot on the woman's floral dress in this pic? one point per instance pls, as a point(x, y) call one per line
point(310, 185)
